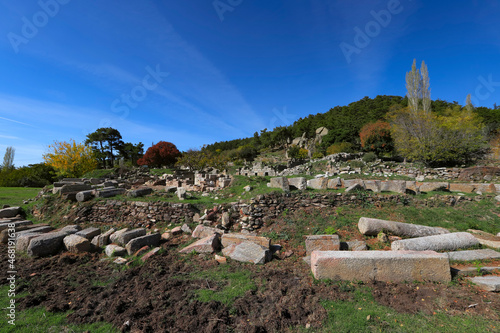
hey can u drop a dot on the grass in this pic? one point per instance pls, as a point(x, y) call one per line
point(14, 196)
point(161, 172)
point(37, 319)
point(224, 284)
point(363, 314)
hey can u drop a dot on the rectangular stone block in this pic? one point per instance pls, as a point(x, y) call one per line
point(125, 237)
point(373, 185)
point(434, 186)
point(46, 244)
point(280, 182)
point(394, 266)
point(74, 188)
point(209, 244)
point(89, 233)
point(318, 183)
point(350, 182)
point(334, 183)
point(138, 242)
point(236, 238)
point(299, 183)
point(462, 187)
point(15, 224)
point(398, 186)
point(322, 243)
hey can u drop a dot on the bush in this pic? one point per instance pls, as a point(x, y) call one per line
point(376, 137)
point(317, 155)
point(70, 159)
point(297, 153)
point(370, 157)
point(342, 147)
point(161, 154)
point(34, 175)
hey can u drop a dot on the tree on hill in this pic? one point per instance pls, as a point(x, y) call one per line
point(161, 154)
point(131, 152)
point(70, 159)
point(105, 141)
point(376, 137)
point(8, 159)
point(450, 137)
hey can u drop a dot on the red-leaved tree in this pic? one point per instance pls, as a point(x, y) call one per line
point(376, 137)
point(161, 154)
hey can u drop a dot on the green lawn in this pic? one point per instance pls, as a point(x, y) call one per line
point(14, 196)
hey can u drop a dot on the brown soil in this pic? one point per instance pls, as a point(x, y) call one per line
point(160, 295)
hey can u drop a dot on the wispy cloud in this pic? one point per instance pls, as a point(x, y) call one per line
point(15, 121)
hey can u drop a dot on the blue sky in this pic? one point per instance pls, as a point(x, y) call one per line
point(200, 71)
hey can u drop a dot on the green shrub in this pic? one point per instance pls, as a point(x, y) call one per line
point(342, 147)
point(317, 155)
point(370, 157)
point(297, 153)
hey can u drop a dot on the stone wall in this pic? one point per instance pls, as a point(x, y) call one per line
point(252, 215)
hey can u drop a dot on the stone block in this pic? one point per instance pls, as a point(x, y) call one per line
point(125, 237)
point(318, 183)
point(487, 283)
point(471, 255)
point(10, 212)
point(181, 193)
point(137, 242)
point(354, 187)
point(23, 241)
point(462, 187)
point(411, 187)
point(434, 186)
point(208, 244)
point(70, 188)
point(299, 183)
point(46, 244)
point(248, 252)
point(353, 246)
point(4, 234)
point(373, 185)
point(103, 239)
point(150, 254)
point(351, 182)
point(394, 266)
point(334, 183)
point(114, 236)
point(202, 231)
point(113, 250)
point(398, 186)
point(15, 224)
point(89, 233)
point(77, 244)
point(280, 182)
point(445, 242)
point(237, 238)
point(371, 227)
point(322, 243)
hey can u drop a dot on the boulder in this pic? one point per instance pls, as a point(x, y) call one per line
point(237, 238)
point(71, 229)
point(113, 250)
point(46, 244)
point(150, 254)
point(185, 228)
point(89, 233)
point(209, 244)
point(445, 242)
point(388, 266)
point(202, 231)
point(248, 252)
point(77, 244)
point(322, 243)
point(371, 227)
point(148, 240)
point(10, 212)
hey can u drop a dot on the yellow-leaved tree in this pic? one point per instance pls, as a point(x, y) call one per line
point(70, 159)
